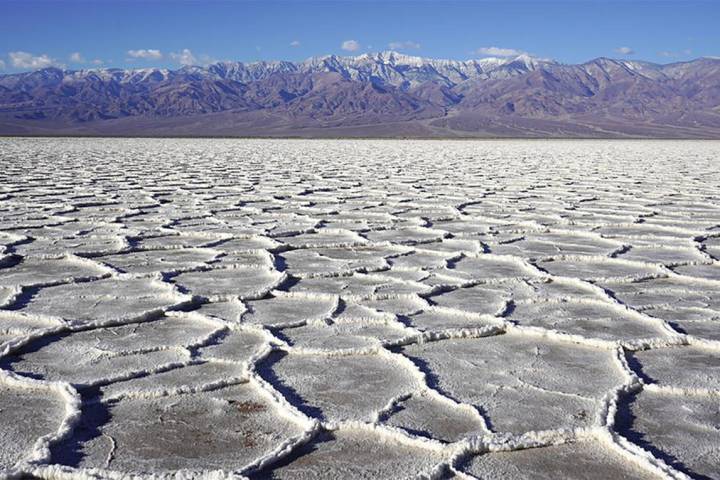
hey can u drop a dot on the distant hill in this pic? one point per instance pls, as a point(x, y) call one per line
point(381, 95)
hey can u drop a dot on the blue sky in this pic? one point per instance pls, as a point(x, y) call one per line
point(167, 33)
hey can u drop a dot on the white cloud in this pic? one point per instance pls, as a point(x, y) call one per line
point(499, 52)
point(145, 54)
point(185, 57)
point(28, 60)
point(295, 43)
point(350, 45)
point(624, 50)
point(684, 53)
point(407, 45)
point(77, 58)
point(2, 65)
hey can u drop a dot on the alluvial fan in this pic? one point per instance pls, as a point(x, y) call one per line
point(359, 309)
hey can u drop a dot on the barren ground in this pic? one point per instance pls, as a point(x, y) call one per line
point(359, 309)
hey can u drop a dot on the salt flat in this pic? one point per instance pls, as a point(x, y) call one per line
point(359, 309)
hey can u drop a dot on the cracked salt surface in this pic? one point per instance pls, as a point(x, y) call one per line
point(359, 309)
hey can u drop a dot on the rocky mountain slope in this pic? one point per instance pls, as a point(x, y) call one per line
point(383, 94)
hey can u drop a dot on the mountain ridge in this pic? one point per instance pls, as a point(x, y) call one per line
point(379, 94)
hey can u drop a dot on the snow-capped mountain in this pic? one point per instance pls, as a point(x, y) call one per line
point(408, 71)
point(385, 93)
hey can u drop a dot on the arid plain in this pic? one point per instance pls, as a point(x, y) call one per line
point(304, 309)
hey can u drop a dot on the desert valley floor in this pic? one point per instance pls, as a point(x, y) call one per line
point(311, 309)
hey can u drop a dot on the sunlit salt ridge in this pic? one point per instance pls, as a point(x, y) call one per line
point(359, 309)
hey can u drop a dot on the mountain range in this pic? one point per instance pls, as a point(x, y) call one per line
point(383, 94)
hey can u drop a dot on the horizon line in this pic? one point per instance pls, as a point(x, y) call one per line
point(507, 59)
